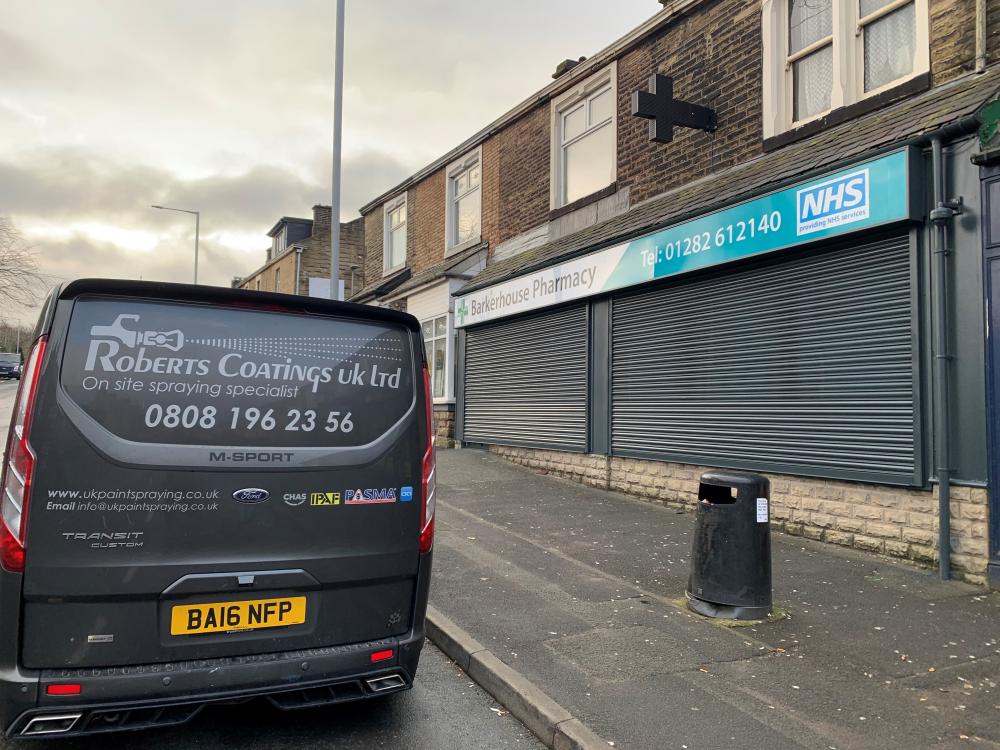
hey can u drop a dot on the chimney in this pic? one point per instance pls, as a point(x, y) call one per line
point(566, 66)
point(321, 217)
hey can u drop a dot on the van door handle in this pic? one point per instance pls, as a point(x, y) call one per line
point(219, 583)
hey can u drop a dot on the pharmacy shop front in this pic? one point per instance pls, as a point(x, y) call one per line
point(783, 334)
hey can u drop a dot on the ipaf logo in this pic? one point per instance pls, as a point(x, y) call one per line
point(324, 498)
point(831, 203)
point(370, 496)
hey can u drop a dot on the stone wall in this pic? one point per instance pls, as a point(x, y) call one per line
point(281, 271)
point(444, 425)
point(892, 521)
point(316, 252)
point(373, 240)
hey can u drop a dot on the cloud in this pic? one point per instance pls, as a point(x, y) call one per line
point(73, 184)
point(21, 61)
point(78, 257)
point(225, 107)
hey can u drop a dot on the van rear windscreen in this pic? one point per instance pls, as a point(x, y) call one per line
point(179, 384)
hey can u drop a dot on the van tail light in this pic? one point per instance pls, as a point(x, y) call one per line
point(429, 479)
point(19, 465)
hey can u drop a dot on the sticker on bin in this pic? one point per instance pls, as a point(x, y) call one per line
point(761, 510)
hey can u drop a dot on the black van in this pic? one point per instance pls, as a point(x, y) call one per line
point(211, 494)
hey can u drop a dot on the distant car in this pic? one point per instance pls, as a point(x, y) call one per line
point(10, 365)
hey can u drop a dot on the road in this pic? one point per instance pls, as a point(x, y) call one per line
point(445, 710)
point(8, 389)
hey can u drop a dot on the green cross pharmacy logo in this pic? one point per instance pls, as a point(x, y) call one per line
point(462, 311)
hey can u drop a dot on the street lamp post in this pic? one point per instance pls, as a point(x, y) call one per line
point(197, 229)
point(338, 95)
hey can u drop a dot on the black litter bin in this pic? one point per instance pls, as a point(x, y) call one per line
point(731, 555)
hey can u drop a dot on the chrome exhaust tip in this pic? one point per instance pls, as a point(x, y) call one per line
point(387, 682)
point(52, 724)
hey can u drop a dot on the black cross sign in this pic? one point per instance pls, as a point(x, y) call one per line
point(664, 112)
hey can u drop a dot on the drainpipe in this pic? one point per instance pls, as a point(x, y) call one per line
point(980, 36)
point(298, 270)
point(941, 215)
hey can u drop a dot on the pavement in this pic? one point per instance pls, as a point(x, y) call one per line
point(580, 591)
point(445, 710)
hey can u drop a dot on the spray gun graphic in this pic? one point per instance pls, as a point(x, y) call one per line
point(172, 340)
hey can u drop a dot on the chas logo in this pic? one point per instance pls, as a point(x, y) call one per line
point(832, 203)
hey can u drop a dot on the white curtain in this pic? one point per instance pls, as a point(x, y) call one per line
point(889, 47)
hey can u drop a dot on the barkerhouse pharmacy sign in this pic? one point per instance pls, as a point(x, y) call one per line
point(868, 195)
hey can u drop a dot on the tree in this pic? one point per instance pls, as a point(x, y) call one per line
point(20, 281)
point(14, 337)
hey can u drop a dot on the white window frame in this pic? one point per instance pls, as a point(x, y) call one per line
point(277, 278)
point(848, 59)
point(566, 101)
point(387, 208)
point(447, 338)
point(454, 169)
point(279, 241)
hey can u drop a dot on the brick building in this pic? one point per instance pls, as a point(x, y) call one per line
point(298, 260)
point(796, 291)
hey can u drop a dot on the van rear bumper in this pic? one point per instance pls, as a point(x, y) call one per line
point(139, 697)
point(144, 696)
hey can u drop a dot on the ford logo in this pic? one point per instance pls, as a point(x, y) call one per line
point(251, 495)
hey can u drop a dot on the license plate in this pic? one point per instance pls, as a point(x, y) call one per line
point(224, 617)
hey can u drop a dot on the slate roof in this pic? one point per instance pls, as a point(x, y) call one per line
point(438, 270)
point(954, 102)
point(383, 285)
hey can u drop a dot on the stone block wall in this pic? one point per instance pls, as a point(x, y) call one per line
point(277, 276)
point(316, 252)
point(444, 425)
point(893, 521)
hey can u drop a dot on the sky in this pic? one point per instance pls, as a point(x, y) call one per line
point(225, 106)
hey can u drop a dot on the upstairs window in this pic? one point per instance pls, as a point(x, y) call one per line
point(395, 235)
point(810, 59)
point(889, 31)
point(278, 242)
point(464, 210)
point(584, 138)
point(824, 54)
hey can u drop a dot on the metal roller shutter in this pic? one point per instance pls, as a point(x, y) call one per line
point(526, 381)
point(804, 365)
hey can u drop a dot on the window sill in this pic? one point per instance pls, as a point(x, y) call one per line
point(586, 200)
point(915, 85)
point(461, 247)
point(387, 272)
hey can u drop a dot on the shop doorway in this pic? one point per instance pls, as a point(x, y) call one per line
point(991, 279)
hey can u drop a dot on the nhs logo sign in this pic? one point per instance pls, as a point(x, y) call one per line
point(832, 203)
